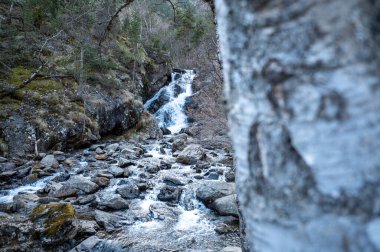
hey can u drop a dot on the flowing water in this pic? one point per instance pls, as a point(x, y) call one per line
point(151, 224)
point(171, 114)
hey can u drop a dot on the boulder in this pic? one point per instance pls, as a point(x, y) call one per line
point(191, 154)
point(209, 191)
point(112, 148)
point(64, 192)
point(226, 205)
point(115, 171)
point(87, 227)
point(123, 162)
point(162, 211)
point(54, 223)
point(173, 180)
point(49, 161)
point(129, 190)
point(25, 201)
point(178, 145)
point(170, 193)
point(83, 184)
point(112, 201)
point(94, 244)
point(111, 221)
point(101, 181)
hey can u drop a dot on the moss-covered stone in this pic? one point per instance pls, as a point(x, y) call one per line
point(54, 217)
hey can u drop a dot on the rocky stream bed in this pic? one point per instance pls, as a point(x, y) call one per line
point(170, 194)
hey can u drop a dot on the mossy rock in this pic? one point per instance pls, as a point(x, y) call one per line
point(54, 222)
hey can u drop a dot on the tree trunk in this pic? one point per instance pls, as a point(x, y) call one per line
point(303, 89)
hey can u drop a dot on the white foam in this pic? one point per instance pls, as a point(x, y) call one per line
point(32, 188)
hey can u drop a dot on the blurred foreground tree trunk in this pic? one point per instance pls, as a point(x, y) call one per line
point(302, 82)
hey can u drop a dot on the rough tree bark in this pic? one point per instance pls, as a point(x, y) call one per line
point(303, 92)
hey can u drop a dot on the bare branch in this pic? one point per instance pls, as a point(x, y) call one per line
point(110, 22)
point(25, 82)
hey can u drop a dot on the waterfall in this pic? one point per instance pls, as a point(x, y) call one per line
point(168, 103)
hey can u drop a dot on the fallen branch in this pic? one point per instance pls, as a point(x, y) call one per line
point(57, 77)
point(25, 82)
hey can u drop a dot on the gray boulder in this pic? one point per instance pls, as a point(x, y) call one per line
point(49, 161)
point(226, 205)
point(94, 244)
point(83, 184)
point(129, 190)
point(111, 221)
point(209, 191)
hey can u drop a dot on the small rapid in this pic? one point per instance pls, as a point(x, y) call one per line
point(169, 102)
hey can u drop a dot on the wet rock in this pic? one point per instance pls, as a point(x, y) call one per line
point(101, 157)
point(143, 186)
point(230, 176)
point(6, 208)
point(165, 131)
point(3, 160)
point(152, 168)
point(94, 244)
point(129, 190)
point(86, 199)
point(115, 171)
point(191, 154)
point(173, 180)
point(31, 178)
point(50, 162)
point(162, 151)
point(226, 205)
point(101, 181)
point(112, 148)
point(64, 192)
point(186, 160)
point(170, 193)
point(46, 200)
point(177, 137)
point(7, 174)
point(24, 201)
point(126, 173)
point(162, 211)
point(99, 151)
point(111, 221)
point(123, 162)
point(86, 227)
point(96, 146)
point(112, 201)
point(213, 176)
point(61, 177)
point(178, 145)
point(211, 190)
point(8, 166)
point(165, 166)
point(132, 153)
point(105, 175)
point(83, 184)
point(191, 131)
point(55, 223)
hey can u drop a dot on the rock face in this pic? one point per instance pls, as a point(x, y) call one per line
point(302, 87)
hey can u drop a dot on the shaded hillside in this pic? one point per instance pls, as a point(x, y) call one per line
point(72, 72)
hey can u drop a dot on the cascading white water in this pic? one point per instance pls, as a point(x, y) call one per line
point(171, 114)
